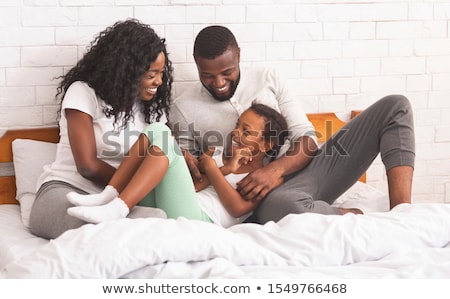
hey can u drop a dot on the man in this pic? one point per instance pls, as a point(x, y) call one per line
point(303, 178)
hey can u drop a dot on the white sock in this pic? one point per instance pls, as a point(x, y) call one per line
point(115, 209)
point(98, 199)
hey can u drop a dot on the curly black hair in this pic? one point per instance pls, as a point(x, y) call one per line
point(113, 66)
point(275, 128)
point(213, 41)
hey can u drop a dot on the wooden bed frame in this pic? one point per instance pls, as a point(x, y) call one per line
point(7, 177)
point(325, 124)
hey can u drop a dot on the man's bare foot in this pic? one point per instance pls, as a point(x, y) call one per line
point(350, 210)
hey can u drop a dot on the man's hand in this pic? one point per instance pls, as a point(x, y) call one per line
point(258, 183)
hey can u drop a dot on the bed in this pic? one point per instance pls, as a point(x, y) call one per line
point(411, 241)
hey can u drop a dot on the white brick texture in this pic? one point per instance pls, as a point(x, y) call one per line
point(337, 54)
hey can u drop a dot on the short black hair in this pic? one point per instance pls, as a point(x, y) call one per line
point(213, 41)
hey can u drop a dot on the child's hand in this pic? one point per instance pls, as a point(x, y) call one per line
point(240, 156)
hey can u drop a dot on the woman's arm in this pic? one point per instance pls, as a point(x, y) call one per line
point(83, 145)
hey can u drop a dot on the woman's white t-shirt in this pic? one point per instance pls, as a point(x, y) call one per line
point(209, 199)
point(111, 144)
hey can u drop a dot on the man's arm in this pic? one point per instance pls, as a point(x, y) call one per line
point(258, 183)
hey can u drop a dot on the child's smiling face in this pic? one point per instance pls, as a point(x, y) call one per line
point(249, 132)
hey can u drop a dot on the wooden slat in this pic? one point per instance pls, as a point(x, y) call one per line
point(50, 134)
point(353, 114)
point(326, 124)
point(8, 190)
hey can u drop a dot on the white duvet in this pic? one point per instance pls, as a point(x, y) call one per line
point(409, 241)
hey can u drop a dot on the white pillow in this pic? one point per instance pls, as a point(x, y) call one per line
point(364, 197)
point(29, 157)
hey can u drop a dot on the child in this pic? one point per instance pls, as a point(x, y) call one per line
point(155, 174)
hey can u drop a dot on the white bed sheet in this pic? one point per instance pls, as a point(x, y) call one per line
point(15, 238)
point(412, 241)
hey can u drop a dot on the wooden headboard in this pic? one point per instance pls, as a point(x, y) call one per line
point(7, 178)
point(326, 124)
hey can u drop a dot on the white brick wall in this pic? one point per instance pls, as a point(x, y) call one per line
point(338, 54)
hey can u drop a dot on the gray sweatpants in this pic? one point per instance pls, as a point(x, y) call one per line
point(386, 127)
point(49, 218)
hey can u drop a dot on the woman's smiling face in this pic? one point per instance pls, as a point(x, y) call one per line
point(152, 79)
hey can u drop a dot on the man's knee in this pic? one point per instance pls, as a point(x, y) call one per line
point(396, 101)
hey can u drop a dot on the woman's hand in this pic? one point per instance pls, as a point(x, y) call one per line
point(201, 164)
point(205, 161)
point(192, 164)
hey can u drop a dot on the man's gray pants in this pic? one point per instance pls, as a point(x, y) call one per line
point(386, 127)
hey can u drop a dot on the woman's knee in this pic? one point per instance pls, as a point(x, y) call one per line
point(156, 130)
point(157, 126)
point(160, 136)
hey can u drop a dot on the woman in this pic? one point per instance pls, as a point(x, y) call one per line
point(120, 86)
point(155, 164)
